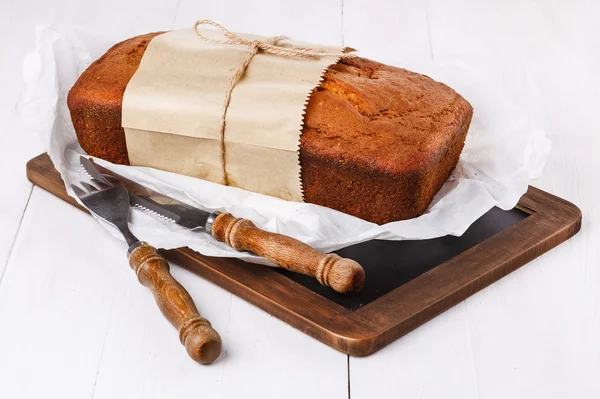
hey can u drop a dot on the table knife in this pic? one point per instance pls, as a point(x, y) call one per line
point(341, 274)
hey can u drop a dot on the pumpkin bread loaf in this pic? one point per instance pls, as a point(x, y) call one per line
point(378, 142)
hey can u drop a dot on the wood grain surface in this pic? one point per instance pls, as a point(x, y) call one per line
point(201, 341)
point(342, 275)
point(533, 333)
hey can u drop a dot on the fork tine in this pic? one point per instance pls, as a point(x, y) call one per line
point(78, 191)
point(95, 184)
point(100, 184)
point(88, 187)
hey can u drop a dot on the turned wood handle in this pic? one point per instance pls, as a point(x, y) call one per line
point(202, 342)
point(341, 274)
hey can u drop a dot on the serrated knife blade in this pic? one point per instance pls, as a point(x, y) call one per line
point(153, 202)
point(341, 274)
point(172, 210)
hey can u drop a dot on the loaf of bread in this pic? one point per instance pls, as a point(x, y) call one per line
point(378, 142)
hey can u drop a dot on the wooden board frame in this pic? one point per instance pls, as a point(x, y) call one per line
point(369, 328)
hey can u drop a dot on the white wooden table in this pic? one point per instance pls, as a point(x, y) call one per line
point(75, 323)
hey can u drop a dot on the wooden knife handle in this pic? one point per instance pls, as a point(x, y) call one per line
point(341, 274)
point(202, 342)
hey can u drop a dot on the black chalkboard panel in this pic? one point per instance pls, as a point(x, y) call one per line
point(390, 264)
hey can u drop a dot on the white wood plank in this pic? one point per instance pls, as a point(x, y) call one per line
point(316, 21)
point(17, 37)
point(529, 49)
point(102, 335)
point(431, 362)
point(14, 153)
point(58, 296)
point(532, 334)
point(263, 357)
point(86, 328)
point(395, 32)
point(15, 146)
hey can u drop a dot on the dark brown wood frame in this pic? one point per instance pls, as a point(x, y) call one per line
point(369, 328)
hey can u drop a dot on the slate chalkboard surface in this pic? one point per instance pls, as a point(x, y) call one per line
point(390, 264)
point(407, 282)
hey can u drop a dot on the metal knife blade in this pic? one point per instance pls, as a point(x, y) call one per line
point(156, 203)
point(171, 210)
point(343, 275)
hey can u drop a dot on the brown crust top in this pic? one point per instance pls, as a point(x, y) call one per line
point(364, 113)
point(105, 80)
point(96, 99)
point(378, 141)
point(381, 117)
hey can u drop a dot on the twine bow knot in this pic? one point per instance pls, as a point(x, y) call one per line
point(269, 46)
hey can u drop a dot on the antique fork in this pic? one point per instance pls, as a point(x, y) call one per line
point(108, 199)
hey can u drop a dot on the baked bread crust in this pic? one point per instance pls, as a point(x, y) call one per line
point(378, 142)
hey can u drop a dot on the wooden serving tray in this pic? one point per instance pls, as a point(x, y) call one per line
point(407, 282)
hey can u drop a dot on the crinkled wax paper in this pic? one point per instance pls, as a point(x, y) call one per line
point(503, 153)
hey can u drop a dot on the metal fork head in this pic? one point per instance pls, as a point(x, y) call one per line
point(108, 199)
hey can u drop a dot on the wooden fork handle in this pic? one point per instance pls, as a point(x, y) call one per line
point(202, 342)
point(341, 274)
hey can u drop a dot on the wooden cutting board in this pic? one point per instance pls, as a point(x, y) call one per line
point(407, 282)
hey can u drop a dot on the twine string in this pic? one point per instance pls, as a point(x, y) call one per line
point(269, 46)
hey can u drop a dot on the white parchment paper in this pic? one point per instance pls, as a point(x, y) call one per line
point(503, 153)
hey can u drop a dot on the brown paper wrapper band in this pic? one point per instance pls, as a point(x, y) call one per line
point(180, 112)
point(269, 46)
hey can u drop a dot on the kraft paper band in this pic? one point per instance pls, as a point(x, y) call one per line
point(269, 46)
point(173, 105)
